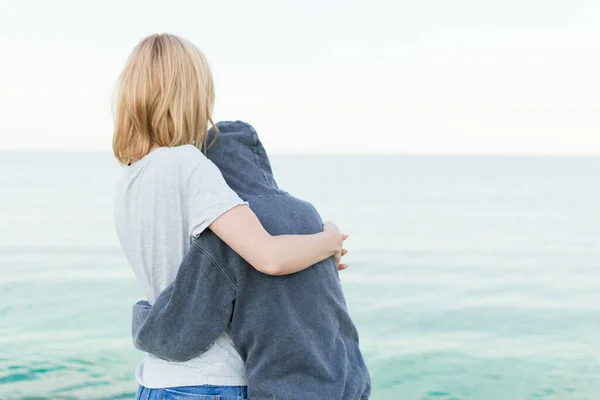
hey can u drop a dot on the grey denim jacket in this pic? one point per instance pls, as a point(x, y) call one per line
point(293, 332)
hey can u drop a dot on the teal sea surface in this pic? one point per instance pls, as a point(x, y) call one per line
point(470, 277)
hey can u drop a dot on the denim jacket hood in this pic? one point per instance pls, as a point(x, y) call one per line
point(242, 159)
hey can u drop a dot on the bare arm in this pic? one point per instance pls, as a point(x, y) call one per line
point(273, 255)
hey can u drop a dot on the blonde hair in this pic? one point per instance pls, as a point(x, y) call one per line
point(164, 97)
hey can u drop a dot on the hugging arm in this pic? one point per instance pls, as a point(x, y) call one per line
point(189, 315)
point(241, 229)
point(213, 204)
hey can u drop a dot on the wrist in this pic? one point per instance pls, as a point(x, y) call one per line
point(334, 241)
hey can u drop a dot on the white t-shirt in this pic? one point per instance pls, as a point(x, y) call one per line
point(163, 200)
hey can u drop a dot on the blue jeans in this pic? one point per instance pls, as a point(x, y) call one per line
point(194, 393)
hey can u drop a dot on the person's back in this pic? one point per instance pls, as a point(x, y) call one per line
point(293, 332)
point(155, 221)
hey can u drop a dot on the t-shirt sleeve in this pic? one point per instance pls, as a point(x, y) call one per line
point(209, 196)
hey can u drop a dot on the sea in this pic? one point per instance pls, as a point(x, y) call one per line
point(470, 277)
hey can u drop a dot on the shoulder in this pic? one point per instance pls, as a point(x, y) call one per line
point(186, 154)
point(198, 171)
point(185, 159)
point(178, 163)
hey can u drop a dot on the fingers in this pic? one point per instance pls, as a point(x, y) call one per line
point(342, 267)
point(340, 254)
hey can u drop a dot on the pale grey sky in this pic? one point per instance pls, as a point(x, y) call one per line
point(429, 76)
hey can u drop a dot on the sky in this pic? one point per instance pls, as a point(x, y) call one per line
point(511, 77)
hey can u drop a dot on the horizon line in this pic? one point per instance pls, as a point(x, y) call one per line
point(287, 153)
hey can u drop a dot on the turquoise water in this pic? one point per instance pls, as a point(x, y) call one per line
point(470, 278)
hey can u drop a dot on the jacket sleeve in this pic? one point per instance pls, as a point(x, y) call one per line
point(190, 314)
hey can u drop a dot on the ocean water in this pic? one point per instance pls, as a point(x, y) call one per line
point(470, 277)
